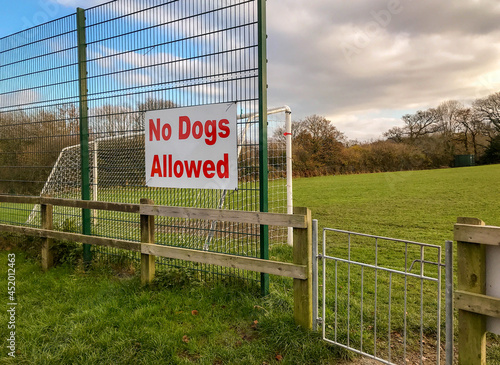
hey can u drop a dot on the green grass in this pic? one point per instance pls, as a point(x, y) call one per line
point(418, 206)
point(69, 316)
point(11, 213)
point(415, 205)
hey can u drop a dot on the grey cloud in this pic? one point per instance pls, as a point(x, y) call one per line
point(404, 54)
point(428, 52)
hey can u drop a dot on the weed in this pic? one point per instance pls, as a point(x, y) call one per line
point(176, 278)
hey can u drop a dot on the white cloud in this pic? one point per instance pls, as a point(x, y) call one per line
point(19, 98)
point(364, 125)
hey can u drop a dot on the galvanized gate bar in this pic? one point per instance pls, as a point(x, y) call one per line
point(315, 272)
point(376, 267)
point(344, 337)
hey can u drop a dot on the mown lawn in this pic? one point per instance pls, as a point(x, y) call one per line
point(414, 205)
point(418, 206)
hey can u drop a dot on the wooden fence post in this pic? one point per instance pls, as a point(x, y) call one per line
point(147, 236)
point(302, 255)
point(47, 223)
point(471, 277)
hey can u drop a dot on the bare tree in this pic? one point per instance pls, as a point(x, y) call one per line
point(112, 119)
point(396, 134)
point(421, 123)
point(279, 133)
point(488, 109)
point(446, 115)
point(150, 104)
point(472, 125)
point(320, 128)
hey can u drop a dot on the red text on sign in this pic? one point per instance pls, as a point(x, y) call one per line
point(157, 129)
point(165, 166)
point(211, 129)
point(198, 129)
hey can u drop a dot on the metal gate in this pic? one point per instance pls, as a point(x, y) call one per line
point(380, 297)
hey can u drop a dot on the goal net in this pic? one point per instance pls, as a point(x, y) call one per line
point(117, 174)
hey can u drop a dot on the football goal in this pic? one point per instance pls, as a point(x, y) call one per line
point(117, 174)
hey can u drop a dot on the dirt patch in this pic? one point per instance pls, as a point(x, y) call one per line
point(7, 242)
point(413, 356)
point(188, 356)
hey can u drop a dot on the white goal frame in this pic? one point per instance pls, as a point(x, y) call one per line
point(48, 186)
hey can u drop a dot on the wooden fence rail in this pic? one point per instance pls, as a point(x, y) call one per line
point(472, 236)
point(300, 270)
point(236, 216)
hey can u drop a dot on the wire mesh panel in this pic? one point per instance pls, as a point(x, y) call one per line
point(165, 54)
point(279, 193)
point(382, 297)
point(38, 116)
point(117, 174)
point(140, 56)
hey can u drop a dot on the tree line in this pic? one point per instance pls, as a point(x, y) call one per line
point(428, 139)
point(31, 141)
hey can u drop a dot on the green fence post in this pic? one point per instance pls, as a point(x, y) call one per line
point(263, 173)
point(84, 126)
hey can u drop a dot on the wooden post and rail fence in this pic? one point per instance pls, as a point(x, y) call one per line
point(300, 270)
point(475, 241)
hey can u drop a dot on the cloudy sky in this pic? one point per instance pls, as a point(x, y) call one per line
point(362, 64)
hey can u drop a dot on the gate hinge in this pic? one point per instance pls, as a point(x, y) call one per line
point(319, 320)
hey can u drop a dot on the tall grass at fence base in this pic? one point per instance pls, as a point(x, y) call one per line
point(67, 315)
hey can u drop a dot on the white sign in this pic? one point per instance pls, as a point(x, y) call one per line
point(192, 147)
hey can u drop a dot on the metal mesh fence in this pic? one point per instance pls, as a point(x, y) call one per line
point(38, 118)
point(140, 56)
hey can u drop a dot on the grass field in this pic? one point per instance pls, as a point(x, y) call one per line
point(415, 205)
point(418, 206)
point(103, 316)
